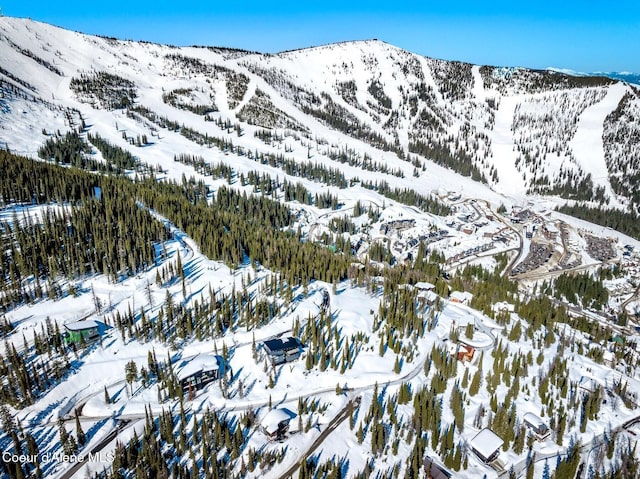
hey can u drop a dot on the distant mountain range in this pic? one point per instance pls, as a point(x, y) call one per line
point(624, 76)
point(628, 77)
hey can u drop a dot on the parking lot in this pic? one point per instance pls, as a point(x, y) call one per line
point(538, 255)
point(601, 249)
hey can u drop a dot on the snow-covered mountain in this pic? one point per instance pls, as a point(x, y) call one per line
point(515, 130)
point(629, 77)
point(354, 206)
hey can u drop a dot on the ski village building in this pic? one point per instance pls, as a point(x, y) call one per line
point(282, 351)
point(81, 331)
point(195, 373)
point(486, 445)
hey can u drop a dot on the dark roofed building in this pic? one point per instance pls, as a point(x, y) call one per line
point(434, 471)
point(282, 351)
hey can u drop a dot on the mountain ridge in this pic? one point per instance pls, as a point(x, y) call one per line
point(419, 110)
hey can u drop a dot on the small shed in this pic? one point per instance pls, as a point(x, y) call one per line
point(537, 426)
point(81, 331)
point(282, 351)
point(486, 445)
point(276, 422)
point(195, 373)
point(587, 384)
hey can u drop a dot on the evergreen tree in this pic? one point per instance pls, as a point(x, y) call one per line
point(474, 388)
point(80, 435)
point(131, 373)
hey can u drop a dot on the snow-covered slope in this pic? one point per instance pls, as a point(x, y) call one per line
point(380, 111)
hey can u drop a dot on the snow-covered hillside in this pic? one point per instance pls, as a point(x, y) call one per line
point(366, 104)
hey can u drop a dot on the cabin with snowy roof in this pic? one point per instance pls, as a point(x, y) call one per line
point(276, 423)
point(537, 425)
point(196, 372)
point(465, 353)
point(462, 297)
point(486, 445)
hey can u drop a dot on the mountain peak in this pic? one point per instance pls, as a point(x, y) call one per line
point(408, 111)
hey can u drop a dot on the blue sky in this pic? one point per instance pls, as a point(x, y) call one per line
point(584, 36)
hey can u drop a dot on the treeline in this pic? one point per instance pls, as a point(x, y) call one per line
point(459, 161)
point(200, 165)
point(236, 227)
point(28, 53)
point(409, 197)
point(621, 141)
point(72, 150)
point(309, 170)
point(623, 221)
point(570, 186)
point(106, 89)
point(173, 98)
point(351, 158)
point(111, 235)
point(68, 150)
point(341, 119)
point(27, 181)
point(263, 183)
point(581, 289)
point(117, 159)
point(236, 83)
point(342, 224)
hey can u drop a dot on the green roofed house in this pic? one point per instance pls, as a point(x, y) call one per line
point(81, 330)
point(617, 341)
